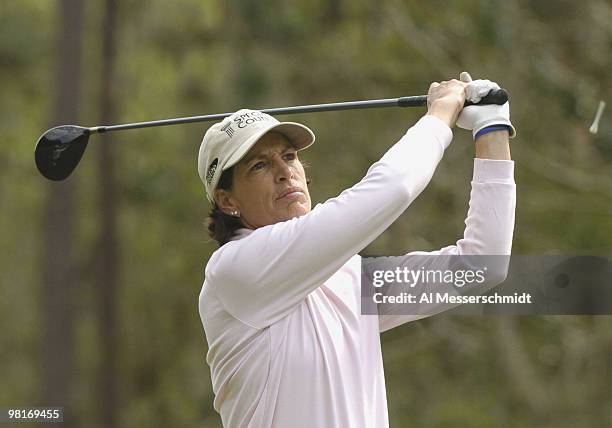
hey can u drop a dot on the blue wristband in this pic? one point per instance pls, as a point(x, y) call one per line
point(491, 128)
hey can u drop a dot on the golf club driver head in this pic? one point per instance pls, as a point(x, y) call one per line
point(59, 150)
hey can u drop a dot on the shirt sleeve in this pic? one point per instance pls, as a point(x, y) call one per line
point(488, 232)
point(260, 278)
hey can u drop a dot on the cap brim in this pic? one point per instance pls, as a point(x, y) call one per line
point(299, 136)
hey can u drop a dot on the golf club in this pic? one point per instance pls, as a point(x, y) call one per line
point(59, 150)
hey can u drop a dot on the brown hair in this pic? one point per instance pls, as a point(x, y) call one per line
point(221, 226)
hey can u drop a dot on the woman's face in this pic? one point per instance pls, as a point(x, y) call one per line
point(269, 184)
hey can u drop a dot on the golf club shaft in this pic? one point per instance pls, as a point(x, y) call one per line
point(498, 97)
point(389, 102)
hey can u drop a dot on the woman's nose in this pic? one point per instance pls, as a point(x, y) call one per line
point(283, 170)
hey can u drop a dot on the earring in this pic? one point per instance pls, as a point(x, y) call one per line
point(236, 213)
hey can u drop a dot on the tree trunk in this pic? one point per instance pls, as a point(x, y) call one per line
point(59, 265)
point(107, 260)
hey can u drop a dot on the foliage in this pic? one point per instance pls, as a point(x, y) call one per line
point(193, 57)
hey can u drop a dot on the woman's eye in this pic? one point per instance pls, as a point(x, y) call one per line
point(290, 156)
point(257, 166)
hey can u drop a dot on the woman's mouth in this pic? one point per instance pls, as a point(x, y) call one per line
point(291, 193)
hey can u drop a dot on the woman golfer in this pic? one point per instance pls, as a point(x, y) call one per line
point(280, 304)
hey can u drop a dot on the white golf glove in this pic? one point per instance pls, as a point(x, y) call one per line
point(476, 118)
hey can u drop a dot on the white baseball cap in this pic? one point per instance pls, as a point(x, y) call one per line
point(226, 142)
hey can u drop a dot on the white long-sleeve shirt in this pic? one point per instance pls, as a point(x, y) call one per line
point(280, 305)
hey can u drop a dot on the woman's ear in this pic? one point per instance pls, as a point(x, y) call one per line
point(225, 201)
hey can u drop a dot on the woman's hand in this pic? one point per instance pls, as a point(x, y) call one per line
point(445, 100)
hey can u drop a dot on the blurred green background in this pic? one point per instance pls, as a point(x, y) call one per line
point(100, 274)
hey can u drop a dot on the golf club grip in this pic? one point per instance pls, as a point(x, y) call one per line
point(499, 96)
